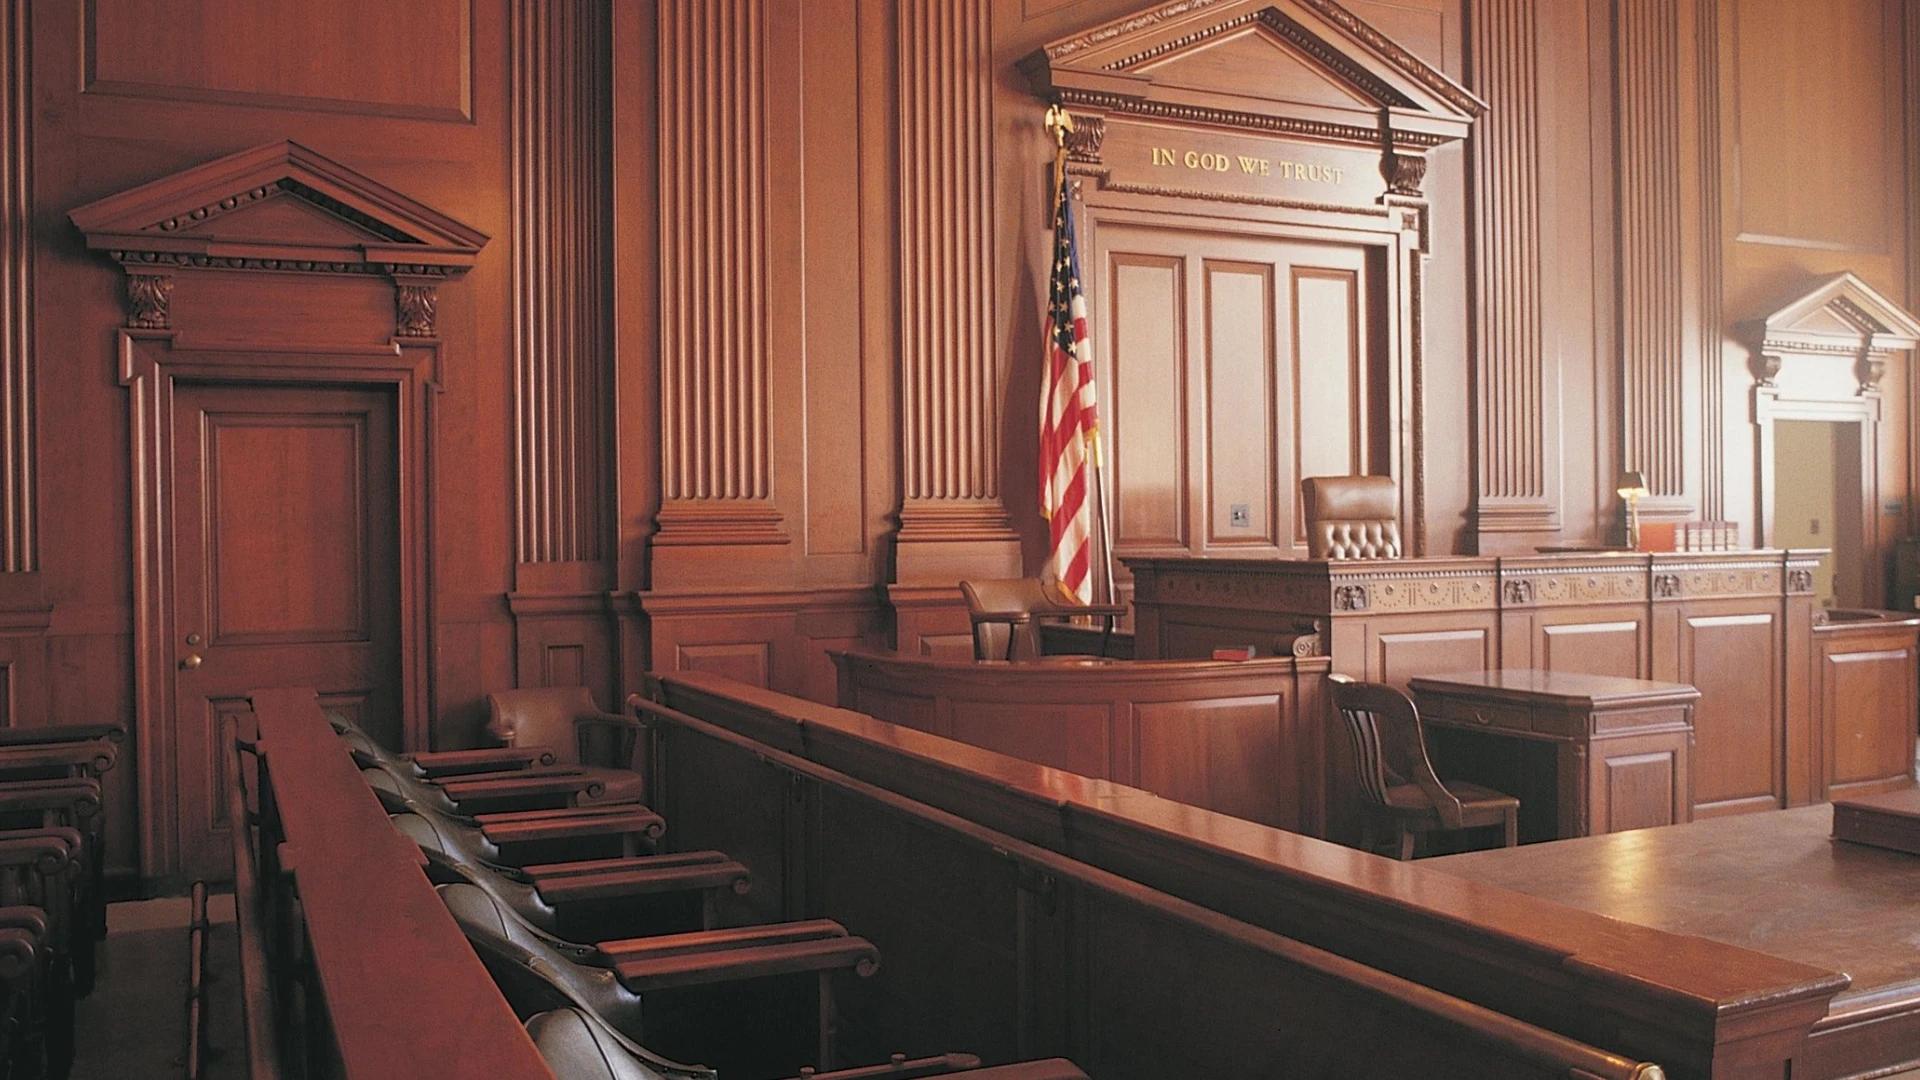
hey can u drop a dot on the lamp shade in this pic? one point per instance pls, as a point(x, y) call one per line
point(1633, 485)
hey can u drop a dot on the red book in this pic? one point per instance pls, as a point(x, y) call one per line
point(1234, 652)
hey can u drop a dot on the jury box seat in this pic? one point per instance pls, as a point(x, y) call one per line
point(1352, 517)
point(600, 744)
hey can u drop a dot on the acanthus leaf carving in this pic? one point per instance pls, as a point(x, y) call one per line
point(1083, 142)
point(414, 307)
point(1404, 173)
point(149, 301)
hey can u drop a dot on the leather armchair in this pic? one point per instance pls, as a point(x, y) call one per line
point(1352, 517)
point(535, 977)
point(503, 791)
point(516, 836)
point(566, 718)
point(1005, 614)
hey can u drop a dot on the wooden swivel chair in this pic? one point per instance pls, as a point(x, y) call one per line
point(1403, 794)
point(1352, 517)
point(566, 718)
point(1005, 613)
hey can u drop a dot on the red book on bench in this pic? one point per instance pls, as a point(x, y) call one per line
point(1234, 652)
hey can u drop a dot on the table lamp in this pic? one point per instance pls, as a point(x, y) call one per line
point(1633, 488)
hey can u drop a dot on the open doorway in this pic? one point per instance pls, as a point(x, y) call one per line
point(1816, 503)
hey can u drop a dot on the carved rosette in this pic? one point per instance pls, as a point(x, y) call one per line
point(149, 298)
point(414, 310)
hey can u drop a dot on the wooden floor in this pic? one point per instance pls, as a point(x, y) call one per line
point(1775, 882)
point(134, 1023)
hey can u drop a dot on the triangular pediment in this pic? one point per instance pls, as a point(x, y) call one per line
point(1251, 63)
point(1840, 312)
point(279, 206)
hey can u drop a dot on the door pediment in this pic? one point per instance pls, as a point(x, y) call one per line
point(281, 207)
point(1307, 68)
point(1841, 317)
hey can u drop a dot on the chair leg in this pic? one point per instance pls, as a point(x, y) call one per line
point(1513, 827)
point(1406, 842)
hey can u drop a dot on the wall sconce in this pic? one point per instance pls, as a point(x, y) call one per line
point(1633, 488)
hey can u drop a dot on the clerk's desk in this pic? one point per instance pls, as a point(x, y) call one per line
point(1789, 711)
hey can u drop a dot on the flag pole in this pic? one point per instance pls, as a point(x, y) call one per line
point(1060, 122)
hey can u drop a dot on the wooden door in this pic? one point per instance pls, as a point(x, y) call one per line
point(285, 507)
point(1238, 365)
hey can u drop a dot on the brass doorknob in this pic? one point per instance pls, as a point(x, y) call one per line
point(192, 661)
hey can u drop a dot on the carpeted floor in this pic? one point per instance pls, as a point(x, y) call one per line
point(133, 1026)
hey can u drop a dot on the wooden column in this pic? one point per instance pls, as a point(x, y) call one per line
point(25, 616)
point(1651, 171)
point(716, 481)
point(1713, 364)
point(562, 355)
point(952, 520)
point(1518, 426)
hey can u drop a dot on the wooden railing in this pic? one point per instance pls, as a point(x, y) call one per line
point(351, 967)
point(1699, 1007)
point(1017, 952)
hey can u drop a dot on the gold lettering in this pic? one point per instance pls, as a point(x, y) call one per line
point(1193, 159)
point(1162, 156)
point(1264, 171)
point(1211, 161)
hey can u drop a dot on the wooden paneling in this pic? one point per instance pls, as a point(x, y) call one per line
point(1226, 754)
point(410, 60)
point(1594, 648)
point(1146, 317)
point(18, 551)
point(1399, 655)
point(1738, 742)
point(1076, 738)
point(1867, 668)
point(1638, 791)
point(1238, 314)
point(1330, 379)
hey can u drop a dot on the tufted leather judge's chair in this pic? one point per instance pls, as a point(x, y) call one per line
point(1352, 517)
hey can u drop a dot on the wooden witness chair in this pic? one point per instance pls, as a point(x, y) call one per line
point(1402, 792)
point(1006, 614)
point(1352, 517)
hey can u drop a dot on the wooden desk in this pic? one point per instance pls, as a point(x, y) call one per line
point(1585, 754)
point(1775, 883)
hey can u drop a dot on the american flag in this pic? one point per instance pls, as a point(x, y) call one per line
point(1068, 417)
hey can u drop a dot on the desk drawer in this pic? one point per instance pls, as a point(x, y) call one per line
point(1487, 714)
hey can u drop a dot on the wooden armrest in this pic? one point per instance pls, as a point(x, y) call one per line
point(526, 783)
point(582, 813)
point(662, 945)
point(62, 733)
point(19, 954)
point(638, 821)
point(95, 756)
point(577, 867)
point(80, 796)
point(901, 1068)
point(643, 881)
point(760, 962)
point(48, 851)
point(446, 763)
point(24, 917)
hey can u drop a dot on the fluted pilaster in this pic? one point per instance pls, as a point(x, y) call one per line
point(561, 179)
point(1518, 415)
point(19, 549)
point(949, 389)
point(716, 467)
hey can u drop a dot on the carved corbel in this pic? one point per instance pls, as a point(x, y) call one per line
point(1869, 370)
point(1404, 173)
point(1766, 365)
point(1083, 142)
point(414, 309)
point(149, 299)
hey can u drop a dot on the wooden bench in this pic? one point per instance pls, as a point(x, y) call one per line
point(1701, 1008)
point(1015, 951)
